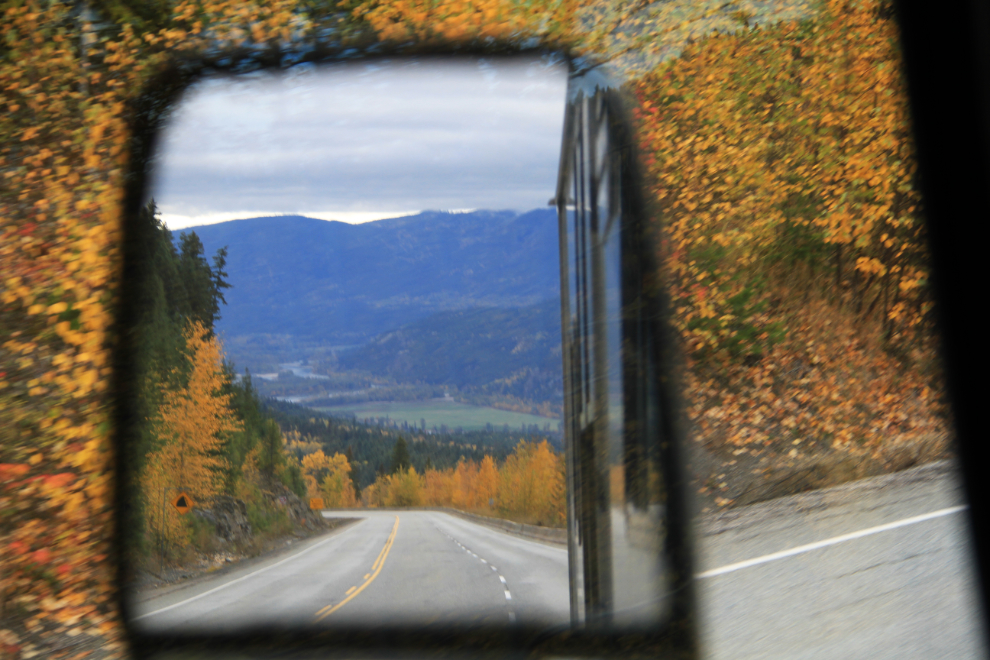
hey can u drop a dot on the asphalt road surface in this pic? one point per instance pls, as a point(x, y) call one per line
point(390, 568)
point(880, 568)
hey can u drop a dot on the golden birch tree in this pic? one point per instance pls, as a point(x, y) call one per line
point(192, 425)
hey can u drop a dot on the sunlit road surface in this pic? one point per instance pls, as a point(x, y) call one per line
point(420, 568)
point(880, 568)
point(875, 569)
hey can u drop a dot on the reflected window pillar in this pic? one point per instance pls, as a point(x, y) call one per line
point(611, 410)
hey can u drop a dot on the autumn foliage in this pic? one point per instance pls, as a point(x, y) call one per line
point(528, 487)
point(329, 477)
point(781, 164)
point(191, 426)
point(779, 159)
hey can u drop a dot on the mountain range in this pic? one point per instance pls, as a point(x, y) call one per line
point(340, 284)
point(496, 351)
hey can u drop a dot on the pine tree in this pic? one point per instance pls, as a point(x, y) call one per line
point(400, 456)
point(353, 471)
point(202, 285)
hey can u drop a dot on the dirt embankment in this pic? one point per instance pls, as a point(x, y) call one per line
point(724, 477)
point(231, 537)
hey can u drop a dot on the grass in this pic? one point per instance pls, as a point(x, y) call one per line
point(438, 412)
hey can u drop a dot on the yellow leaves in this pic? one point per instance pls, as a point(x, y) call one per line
point(192, 423)
point(869, 265)
point(723, 171)
point(85, 378)
point(906, 285)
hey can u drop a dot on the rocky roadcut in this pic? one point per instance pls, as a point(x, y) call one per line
point(231, 538)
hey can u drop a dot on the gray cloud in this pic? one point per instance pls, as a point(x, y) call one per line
point(382, 136)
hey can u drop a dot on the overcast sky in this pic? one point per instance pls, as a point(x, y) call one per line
point(358, 142)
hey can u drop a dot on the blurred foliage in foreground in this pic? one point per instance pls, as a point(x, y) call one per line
point(814, 155)
point(781, 163)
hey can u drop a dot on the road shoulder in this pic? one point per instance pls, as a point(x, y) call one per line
point(151, 589)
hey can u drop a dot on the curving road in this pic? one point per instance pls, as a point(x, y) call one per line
point(389, 567)
point(879, 568)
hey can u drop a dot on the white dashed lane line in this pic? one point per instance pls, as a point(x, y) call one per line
point(505, 585)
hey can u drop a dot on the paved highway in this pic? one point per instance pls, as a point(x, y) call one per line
point(390, 567)
point(875, 569)
point(879, 568)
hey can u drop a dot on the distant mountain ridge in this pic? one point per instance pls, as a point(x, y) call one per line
point(495, 351)
point(345, 284)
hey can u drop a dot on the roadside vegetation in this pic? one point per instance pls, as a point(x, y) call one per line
point(502, 474)
point(791, 233)
point(200, 433)
point(780, 163)
point(528, 486)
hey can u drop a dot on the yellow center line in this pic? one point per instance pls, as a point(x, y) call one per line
point(376, 569)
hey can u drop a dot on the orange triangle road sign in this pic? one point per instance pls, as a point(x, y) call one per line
point(183, 503)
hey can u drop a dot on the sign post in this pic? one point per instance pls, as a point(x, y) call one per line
point(183, 503)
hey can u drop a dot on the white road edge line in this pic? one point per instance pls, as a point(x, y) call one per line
point(240, 579)
point(827, 542)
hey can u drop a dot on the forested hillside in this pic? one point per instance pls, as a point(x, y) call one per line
point(369, 447)
point(347, 465)
point(198, 432)
point(798, 129)
point(344, 284)
point(790, 226)
point(487, 354)
point(529, 486)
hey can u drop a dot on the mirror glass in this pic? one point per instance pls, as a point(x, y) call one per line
point(351, 368)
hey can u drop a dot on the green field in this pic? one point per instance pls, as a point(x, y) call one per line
point(437, 412)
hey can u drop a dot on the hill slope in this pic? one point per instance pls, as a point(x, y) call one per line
point(513, 351)
point(344, 284)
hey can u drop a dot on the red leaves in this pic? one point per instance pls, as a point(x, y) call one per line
point(9, 471)
point(42, 556)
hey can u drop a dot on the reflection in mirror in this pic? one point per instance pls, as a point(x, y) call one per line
point(351, 365)
point(616, 495)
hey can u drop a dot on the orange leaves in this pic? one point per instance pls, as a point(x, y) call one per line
point(329, 477)
point(59, 481)
point(833, 390)
point(449, 20)
point(41, 556)
point(10, 471)
point(191, 426)
point(63, 123)
point(760, 159)
point(531, 483)
point(869, 265)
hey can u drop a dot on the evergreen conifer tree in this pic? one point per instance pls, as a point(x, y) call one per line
point(400, 456)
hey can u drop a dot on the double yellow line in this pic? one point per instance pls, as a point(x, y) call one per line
point(376, 568)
